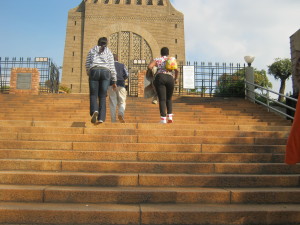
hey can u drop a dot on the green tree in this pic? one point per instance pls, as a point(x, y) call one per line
point(233, 85)
point(281, 69)
point(261, 79)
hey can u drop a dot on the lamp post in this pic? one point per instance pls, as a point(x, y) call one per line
point(250, 78)
point(249, 59)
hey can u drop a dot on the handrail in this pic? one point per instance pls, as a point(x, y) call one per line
point(268, 99)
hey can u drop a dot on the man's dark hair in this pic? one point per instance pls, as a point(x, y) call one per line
point(103, 43)
point(164, 51)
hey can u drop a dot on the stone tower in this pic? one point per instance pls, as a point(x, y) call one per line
point(295, 56)
point(136, 30)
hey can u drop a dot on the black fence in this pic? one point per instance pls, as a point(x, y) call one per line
point(210, 80)
point(49, 72)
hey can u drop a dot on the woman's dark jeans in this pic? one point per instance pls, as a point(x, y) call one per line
point(99, 80)
point(164, 85)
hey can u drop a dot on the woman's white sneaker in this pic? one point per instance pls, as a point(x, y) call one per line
point(163, 119)
point(170, 118)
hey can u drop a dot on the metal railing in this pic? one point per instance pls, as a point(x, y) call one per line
point(49, 72)
point(286, 109)
point(211, 80)
point(215, 80)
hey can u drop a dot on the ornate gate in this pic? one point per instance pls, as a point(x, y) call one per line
point(131, 47)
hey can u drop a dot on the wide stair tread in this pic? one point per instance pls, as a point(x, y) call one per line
point(51, 213)
point(150, 195)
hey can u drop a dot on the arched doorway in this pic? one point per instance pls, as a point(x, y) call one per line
point(130, 46)
point(135, 52)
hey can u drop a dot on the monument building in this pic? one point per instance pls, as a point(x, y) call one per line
point(136, 31)
point(295, 56)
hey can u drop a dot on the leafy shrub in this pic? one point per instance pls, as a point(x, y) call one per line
point(230, 86)
point(64, 89)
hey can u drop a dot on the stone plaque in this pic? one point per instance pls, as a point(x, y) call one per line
point(24, 81)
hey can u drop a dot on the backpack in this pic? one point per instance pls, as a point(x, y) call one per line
point(171, 63)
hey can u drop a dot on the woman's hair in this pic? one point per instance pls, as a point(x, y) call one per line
point(164, 51)
point(102, 42)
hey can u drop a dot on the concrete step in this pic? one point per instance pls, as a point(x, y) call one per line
point(202, 214)
point(155, 147)
point(144, 126)
point(140, 195)
point(140, 147)
point(134, 131)
point(148, 179)
point(211, 157)
point(254, 157)
point(146, 167)
point(137, 110)
point(149, 119)
point(219, 214)
point(47, 213)
point(141, 139)
point(181, 113)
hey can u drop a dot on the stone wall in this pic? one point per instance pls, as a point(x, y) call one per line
point(141, 83)
point(295, 56)
point(24, 81)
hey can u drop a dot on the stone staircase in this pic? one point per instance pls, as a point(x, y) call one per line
point(219, 163)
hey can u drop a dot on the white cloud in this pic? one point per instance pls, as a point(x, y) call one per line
point(227, 30)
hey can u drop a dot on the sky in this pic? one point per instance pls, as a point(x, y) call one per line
point(217, 31)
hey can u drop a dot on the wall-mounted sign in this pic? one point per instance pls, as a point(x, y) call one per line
point(189, 77)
